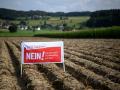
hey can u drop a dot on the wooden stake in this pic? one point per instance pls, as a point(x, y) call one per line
point(64, 66)
point(21, 70)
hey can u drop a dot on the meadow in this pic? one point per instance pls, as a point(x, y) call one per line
point(56, 20)
point(110, 32)
point(76, 32)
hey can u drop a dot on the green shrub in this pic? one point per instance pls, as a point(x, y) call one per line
point(13, 28)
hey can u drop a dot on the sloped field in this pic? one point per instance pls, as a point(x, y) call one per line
point(91, 64)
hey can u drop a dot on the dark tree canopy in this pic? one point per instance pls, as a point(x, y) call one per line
point(9, 14)
point(104, 18)
point(13, 28)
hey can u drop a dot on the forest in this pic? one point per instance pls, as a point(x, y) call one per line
point(104, 18)
point(9, 14)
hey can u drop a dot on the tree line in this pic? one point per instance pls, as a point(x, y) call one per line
point(9, 14)
point(104, 18)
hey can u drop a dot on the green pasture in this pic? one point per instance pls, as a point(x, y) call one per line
point(110, 32)
point(54, 21)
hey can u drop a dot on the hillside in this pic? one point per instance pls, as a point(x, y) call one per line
point(13, 14)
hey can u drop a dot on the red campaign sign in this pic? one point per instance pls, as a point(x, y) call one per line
point(49, 54)
point(42, 52)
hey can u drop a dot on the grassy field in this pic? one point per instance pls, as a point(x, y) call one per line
point(6, 33)
point(54, 21)
point(110, 32)
point(24, 33)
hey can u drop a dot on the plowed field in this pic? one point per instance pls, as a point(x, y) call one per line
point(91, 64)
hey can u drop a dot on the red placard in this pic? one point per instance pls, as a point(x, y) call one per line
point(49, 54)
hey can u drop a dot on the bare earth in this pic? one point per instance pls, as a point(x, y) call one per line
point(91, 64)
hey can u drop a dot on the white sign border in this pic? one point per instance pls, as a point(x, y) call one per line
point(62, 55)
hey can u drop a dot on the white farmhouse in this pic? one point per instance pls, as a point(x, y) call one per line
point(38, 28)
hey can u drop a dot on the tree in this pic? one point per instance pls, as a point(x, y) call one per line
point(13, 28)
point(23, 23)
point(104, 18)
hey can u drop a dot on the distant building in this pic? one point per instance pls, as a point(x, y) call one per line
point(38, 28)
point(35, 17)
point(0, 24)
point(61, 27)
point(23, 27)
point(5, 24)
